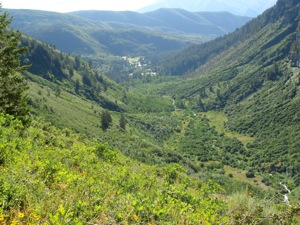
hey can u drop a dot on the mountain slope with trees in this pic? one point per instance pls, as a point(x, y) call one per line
point(184, 162)
point(56, 176)
point(170, 20)
point(122, 33)
point(249, 76)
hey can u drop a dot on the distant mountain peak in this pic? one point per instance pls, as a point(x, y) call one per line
point(242, 7)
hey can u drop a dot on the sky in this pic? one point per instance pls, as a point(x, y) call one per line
point(75, 5)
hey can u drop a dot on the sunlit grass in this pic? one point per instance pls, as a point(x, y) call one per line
point(218, 119)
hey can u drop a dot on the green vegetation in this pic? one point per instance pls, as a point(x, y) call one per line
point(12, 84)
point(106, 119)
point(216, 148)
point(58, 177)
point(251, 80)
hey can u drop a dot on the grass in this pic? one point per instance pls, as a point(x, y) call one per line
point(218, 119)
point(240, 175)
point(134, 60)
point(66, 110)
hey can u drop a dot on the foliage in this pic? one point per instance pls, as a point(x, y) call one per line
point(56, 176)
point(122, 122)
point(247, 75)
point(12, 83)
point(60, 164)
point(67, 72)
point(106, 119)
point(53, 176)
point(248, 210)
point(147, 103)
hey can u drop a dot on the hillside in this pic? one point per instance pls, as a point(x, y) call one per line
point(54, 176)
point(71, 73)
point(195, 149)
point(96, 33)
point(66, 91)
point(192, 57)
point(248, 75)
point(155, 123)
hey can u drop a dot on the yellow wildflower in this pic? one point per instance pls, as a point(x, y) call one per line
point(21, 215)
point(135, 217)
point(1, 218)
point(36, 217)
point(14, 222)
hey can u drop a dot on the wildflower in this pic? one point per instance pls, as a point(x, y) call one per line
point(36, 217)
point(1, 218)
point(21, 215)
point(135, 217)
point(14, 222)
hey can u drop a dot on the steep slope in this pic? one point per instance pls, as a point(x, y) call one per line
point(78, 35)
point(192, 57)
point(243, 7)
point(68, 33)
point(97, 33)
point(54, 176)
point(248, 74)
point(69, 73)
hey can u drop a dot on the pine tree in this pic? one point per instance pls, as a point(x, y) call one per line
point(122, 122)
point(106, 119)
point(12, 82)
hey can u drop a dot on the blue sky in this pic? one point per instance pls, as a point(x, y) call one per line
point(74, 5)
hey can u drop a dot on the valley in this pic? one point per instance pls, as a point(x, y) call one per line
point(128, 124)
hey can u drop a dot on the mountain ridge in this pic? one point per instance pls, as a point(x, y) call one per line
point(243, 7)
point(111, 34)
point(249, 76)
point(165, 18)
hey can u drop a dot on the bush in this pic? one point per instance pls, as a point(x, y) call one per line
point(250, 174)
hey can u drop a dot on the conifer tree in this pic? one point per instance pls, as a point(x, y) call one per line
point(122, 122)
point(106, 119)
point(12, 82)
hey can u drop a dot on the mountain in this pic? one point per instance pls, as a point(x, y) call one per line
point(66, 91)
point(243, 7)
point(57, 71)
point(220, 146)
point(244, 75)
point(123, 33)
point(171, 20)
point(249, 76)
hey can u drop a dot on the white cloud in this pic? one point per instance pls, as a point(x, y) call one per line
point(73, 5)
